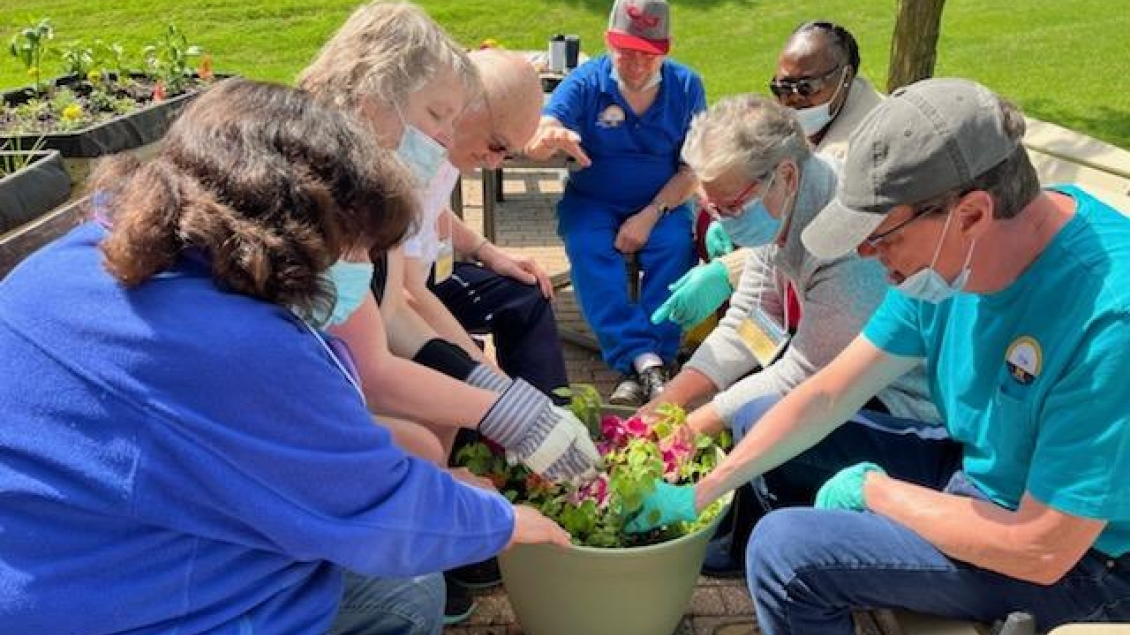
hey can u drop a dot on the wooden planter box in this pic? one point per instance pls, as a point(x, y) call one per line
point(138, 132)
point(16, 244)
point(35, 189)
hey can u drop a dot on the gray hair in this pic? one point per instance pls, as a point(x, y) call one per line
point(1012, 183)
point(747, 132)
point(385, 50)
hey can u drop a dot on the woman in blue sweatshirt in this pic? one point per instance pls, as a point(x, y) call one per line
point(183, 449)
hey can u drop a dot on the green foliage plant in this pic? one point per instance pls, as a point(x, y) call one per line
point(636, 454)
point(78, 59)
point(169, 61)
point(29, 46)
point(101, 85)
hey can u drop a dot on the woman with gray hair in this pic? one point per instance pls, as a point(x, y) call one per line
point(791, 312)
point(410, 81)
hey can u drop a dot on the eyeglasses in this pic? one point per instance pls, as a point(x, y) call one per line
point(733, 207)
point(803, 86)
point(876, 241)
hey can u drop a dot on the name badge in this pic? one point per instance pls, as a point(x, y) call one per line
point(445, 261)
point(764, 338)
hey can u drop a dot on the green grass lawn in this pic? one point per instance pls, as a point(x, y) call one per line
point(1064, 61)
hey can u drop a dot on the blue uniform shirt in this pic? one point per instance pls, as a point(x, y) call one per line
point(1032, 379)
point(632, 156)
point(179, 458)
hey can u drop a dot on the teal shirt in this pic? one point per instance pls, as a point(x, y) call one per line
point(1032, 380)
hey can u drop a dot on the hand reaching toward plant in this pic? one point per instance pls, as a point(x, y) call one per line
point(531, 527)
point(549, 440)
point(845, 489)
point(696, 295)
point(666, 505)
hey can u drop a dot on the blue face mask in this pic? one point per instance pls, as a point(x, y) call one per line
point(422, 154)
point(928, 285)
point(754, 225)
point(351, 281)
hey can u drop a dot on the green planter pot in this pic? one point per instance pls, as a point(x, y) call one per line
point(594, 591)
point(590, 591)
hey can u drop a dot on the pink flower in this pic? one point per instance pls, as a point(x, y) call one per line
point(596, 490)
point(612, 429)
point(675, 456)
point(635, 427)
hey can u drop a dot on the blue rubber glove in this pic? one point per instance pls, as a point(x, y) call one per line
point(696, 295)
point(845, 489)
point(667, 504)
point(717, 240)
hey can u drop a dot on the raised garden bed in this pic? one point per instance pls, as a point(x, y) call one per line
point(32, 183)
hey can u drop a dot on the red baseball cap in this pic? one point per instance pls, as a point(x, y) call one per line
point(640, 25)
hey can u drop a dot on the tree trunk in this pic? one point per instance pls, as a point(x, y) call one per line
point(915, 41)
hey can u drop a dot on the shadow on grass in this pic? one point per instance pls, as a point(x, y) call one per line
point(1102, 122)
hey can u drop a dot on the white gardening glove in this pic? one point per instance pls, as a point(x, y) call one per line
point(547, 439)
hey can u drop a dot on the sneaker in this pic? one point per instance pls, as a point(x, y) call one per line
point(628, 392)
point(459, 604)
point(477, 576)
point(653, 380)
point(719, 562)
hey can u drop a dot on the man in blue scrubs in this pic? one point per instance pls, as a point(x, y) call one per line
point(623, 117)
point(1016, 300)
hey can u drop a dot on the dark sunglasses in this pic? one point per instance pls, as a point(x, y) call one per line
point(803, 86)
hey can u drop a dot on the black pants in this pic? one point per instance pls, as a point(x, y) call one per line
point(520, 321)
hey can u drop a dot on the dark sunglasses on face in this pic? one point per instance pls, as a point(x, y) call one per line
point(803, 86)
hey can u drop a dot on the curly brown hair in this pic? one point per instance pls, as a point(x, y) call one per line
point(268, 185)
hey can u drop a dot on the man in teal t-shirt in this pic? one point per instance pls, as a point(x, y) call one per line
point(1018, 301)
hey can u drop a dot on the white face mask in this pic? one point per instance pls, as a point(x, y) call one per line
point(422, 154)
point(928, 285)
point(816, 118)
point(652, 81)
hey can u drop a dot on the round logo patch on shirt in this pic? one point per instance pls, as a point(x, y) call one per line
point(611, 117)
point(1024, 359)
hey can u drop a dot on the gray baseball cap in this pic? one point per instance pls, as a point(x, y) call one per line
point(925, 139)
point(640, 25)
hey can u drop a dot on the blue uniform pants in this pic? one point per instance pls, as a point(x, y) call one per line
point(622, 327)
point(808, 568)
point(519, 319)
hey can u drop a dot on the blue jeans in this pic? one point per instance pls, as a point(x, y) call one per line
point(382, 606)
point(808, 568)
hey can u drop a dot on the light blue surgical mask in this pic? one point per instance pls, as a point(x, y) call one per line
point(816, 118)
point(351, 283)
point(754, 225)
point(928, 285)
point(652, 81)
point(422, 154)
